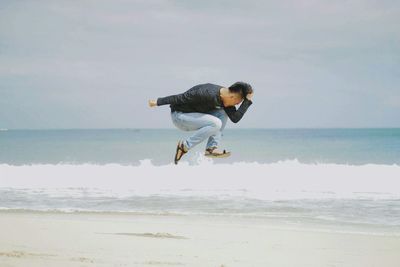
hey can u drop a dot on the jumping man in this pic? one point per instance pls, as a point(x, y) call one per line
point(205, 109)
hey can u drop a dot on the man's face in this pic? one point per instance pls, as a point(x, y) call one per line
point(233, 100)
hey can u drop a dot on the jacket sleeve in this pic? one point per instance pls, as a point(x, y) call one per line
point(187, 97)
point(236, 115)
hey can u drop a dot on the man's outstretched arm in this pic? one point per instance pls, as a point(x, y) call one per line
point(192, 95)
point(183, 98)
point(173, 99)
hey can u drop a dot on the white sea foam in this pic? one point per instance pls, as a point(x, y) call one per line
point(274, 181)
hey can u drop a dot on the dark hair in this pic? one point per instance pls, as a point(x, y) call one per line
point(241, 88)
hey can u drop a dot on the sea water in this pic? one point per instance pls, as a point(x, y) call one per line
point(129, 146)
point(340, 176)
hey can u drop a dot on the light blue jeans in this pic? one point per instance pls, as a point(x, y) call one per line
point(207, 125)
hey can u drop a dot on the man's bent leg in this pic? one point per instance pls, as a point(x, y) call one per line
point(204, 124)
point(214, 140)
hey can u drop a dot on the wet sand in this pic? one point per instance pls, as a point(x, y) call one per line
point(91, 239)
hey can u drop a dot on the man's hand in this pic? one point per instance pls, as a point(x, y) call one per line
point(250, 96)
point(152, 103)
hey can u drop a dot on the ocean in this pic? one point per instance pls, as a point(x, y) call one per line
point(327, 176)
point(129, 146)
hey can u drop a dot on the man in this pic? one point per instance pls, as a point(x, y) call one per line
point(205, 109)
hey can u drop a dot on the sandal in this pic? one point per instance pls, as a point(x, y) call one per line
point(179, 148)
point(210, 152)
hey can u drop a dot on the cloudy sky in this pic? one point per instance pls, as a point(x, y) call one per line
point(94, 64)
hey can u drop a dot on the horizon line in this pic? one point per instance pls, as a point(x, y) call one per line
point(170, 128)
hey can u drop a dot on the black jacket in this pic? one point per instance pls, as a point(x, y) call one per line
point(203, 98)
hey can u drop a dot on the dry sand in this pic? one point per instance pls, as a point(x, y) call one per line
point(89, 239)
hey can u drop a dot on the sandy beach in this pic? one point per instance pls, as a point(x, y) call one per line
point(90, 239)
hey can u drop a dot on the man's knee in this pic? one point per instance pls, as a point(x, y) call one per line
point(222, 117)
point(216, 124)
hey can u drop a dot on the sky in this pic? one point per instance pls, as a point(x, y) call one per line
point(95, 64)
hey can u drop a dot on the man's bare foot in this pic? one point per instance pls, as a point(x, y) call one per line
point(180, 151)
point(214, 152)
